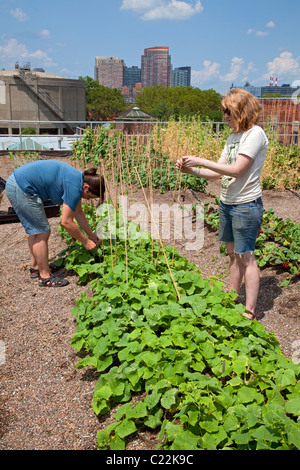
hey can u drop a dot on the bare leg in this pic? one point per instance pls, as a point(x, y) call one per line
point(236, 269)
point(38, 247)
point(252, 281)
point(244, 266)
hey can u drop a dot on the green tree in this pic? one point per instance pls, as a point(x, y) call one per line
point(102, 103)
point(178, 102)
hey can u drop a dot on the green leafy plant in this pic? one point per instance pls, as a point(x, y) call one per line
point(202, 375)
point(278, 242)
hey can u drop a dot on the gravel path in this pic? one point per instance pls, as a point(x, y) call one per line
point(45, 402)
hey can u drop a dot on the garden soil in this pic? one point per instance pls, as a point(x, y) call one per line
point(45, 401)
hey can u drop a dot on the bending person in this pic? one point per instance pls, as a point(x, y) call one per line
point(241, 207)
point(31, 184)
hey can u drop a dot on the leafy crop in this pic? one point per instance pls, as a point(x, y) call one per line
point(163, 176)
point(183, 362)
point(277, 244)
point(123, 157)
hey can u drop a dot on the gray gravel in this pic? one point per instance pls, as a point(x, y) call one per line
point(45, 402)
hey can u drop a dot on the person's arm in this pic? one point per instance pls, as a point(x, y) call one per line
point(90, 240)
point(221, 167)
point(199, 172)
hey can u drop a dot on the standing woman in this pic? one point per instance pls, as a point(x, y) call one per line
point(241, 208)
point(31, 184)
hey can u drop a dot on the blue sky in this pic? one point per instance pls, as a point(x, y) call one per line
point(224, 41)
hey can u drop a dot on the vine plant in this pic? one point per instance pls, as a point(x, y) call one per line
point(182, 362)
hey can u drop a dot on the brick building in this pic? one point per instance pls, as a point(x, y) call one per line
point(284, 116)
point(156, 68)
point(109, 71)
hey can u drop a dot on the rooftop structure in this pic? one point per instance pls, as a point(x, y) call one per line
point(28, 95)
point(135, 121)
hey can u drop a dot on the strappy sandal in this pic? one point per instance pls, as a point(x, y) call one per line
point(52, 281)
point(35, 273)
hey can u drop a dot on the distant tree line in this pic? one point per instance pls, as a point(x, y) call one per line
point(163, 103)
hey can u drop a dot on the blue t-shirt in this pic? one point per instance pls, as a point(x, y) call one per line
point(51, 179)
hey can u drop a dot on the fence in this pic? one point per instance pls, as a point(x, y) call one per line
point(21, 139)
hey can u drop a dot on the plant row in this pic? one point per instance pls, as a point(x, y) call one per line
point(175, 354)
point(278, 242)
point(169, 141)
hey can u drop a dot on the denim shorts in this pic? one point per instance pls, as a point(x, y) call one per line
point(240, 223)
point(29, 209)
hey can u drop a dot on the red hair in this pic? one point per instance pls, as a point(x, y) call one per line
point(244, 108)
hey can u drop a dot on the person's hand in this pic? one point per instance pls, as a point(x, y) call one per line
point(90, 245)
point(178, 165)
point(189, 161)
point(95, 239)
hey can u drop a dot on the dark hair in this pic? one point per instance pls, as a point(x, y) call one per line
point(95, 182)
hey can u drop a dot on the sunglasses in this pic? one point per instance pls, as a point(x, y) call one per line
point(226, 111)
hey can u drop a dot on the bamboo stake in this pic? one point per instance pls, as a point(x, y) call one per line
point(114, 162)
point(107, 187)
point(150, 188)
point(125, 225)
point(161, 244)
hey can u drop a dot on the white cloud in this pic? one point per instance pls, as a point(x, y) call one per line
point(239, 71)
point(271, 24)
point(236, 69)
point(19, 14)
point(210, 70)
point(44, 34)
point(257, 33)
point(140, 5)
point(12, 50)
point(261, 33)
point(286, 65)
point(163, 9)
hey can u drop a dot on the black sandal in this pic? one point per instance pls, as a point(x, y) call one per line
point(35, 273)
point(52, 281)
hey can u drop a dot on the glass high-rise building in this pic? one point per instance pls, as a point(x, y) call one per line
point(132, 76)
point(156, 68)
point(109, 71)
point(181, 76)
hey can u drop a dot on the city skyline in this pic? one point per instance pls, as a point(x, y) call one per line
point(155, 69)
point(222, 43)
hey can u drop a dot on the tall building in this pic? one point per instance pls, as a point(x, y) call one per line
point(110, 71)
point(132, 76)
point(156, 68)
point(181, 76)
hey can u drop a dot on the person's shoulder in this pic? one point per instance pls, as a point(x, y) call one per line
point(256, 132)
point(256, 129)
